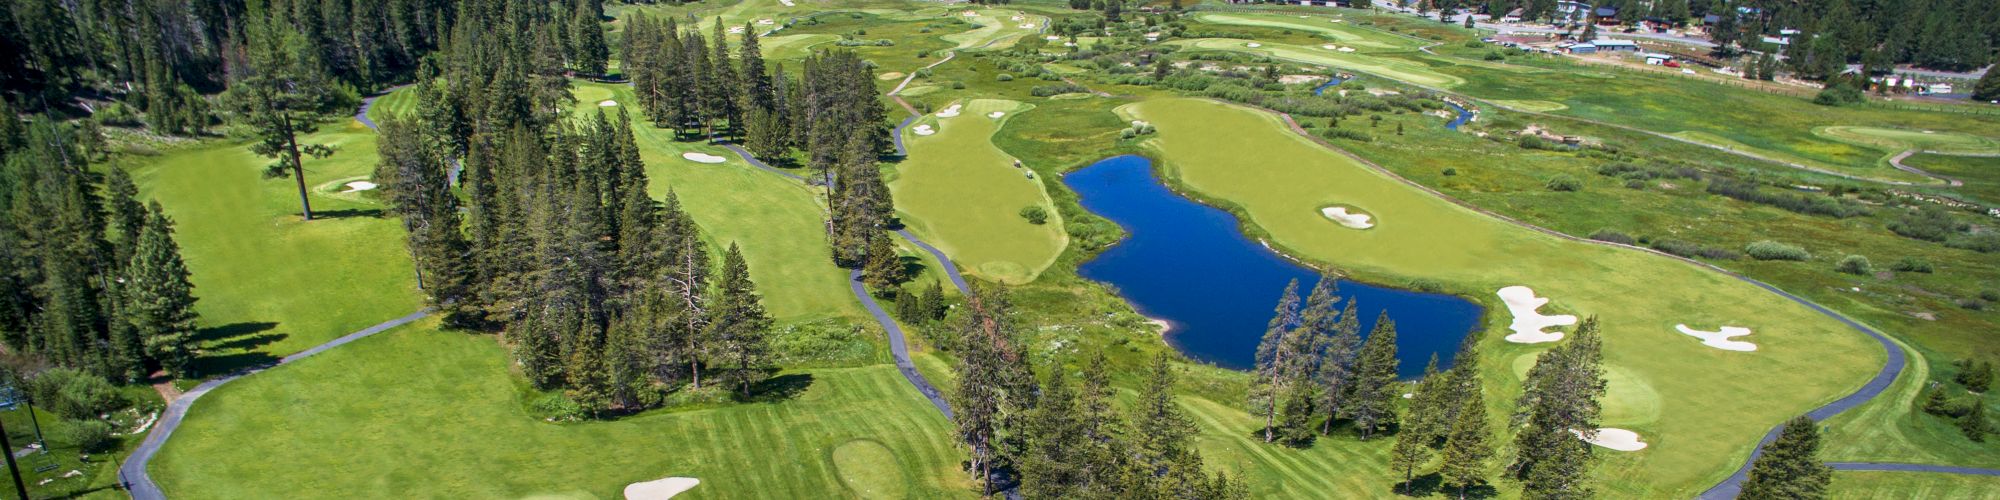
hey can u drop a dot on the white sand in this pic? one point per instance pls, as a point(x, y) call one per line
point(1164, 325)
point(660, 489)
point(1346, 49)
point(606, 104)
point(736, 30)
point(360, 186)
point(766, 21)
point(1329, 46)
point(1528, 324)
point(1336, 20)
point(702, 157)
point(949, 111)
point(1720, 339)
point(996, 114)
point(1015, 18)
point(788, 3)
point(1051, 38)
point(923, 130)
point(1026, 26)
point(1340, 215)
point(971, 14)
point(1613, 438)
point(1253, 45)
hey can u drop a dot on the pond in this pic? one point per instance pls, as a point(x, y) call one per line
point(1188, 264)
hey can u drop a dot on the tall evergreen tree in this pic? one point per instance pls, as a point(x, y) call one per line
point(159, 300)
point(279, 95)
point(414, 179)
point(1789, 467)
point(1560, 396)
point(1468, 446)
point(1375, 386)
point(738, 325)
point(1411, 452)
point(1268, 384)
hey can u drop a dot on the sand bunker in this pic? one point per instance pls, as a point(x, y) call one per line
point(1015, 18)
point(1051, 38)
point(766, 21)
point(702, 157)
point(923, 130)
point(996, 114)
point(1329, 46)
point(1253, 45)
point(736, 30)
point(1528, 324)
point(359, 186)
point(1346, 49)
point(788, 3)
point(1352, 220)
point(949, 111)
point(1720, 339)
point(660, 489)
point(1613, 438)
point(607, 104)
point(1026, 26)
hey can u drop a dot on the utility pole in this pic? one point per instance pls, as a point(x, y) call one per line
point(19, 487)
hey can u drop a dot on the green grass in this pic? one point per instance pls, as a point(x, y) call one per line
point(868, 469)
point(1874, 485)
point(1980, 174)
point(270, 284)
point(1713, 405)
point(997, 29)
point(1343, 33)
point(1399, 69)
point(964, 196)
point(1892, 428)
point(1927, 140)
point(418, 413)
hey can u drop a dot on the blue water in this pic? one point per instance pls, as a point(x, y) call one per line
point(1331, 80)
point(1188, 264)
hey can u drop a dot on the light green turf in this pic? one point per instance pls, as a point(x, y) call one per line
point(997, 29)
point(1883, 173)
point(778, 222)
point(1399, 69)
point(1879, 485)
point(1342, 32)
point(792, 47)
point(963, 195)
point(1532, 105)
point(419, 413)
point(868, 469)
point(1891, 428)
point(1901, 139)
point(269, 283)
point(1713, 405)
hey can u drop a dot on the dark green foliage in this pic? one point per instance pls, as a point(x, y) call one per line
point(1987, 88)
point(1772, 250)
point(159, 300)
point(1467, 444)
point(737, 322)
point(994, 384)
point(1809, 205)
point(1854, 264)
point(1035, 214)
point(1563, 183)
point(1612, 236)
point(90, 436)
point(74, 394)
point(1976, 376)
point(1929, 223)
point(1376, 390)
point(1560, 394)
point(1789, 467)
point(1411, 452)
point(1913, 265)
point(884, 270)
point(1840, 94)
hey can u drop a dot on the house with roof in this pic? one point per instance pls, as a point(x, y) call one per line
point(1571, 12)
point(1512, 16)
point(1616, 45)
point(1606, 16)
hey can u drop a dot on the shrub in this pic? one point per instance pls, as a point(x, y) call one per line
point(1493, 56)
point(1473, 44)
point(1855, 264)
point(1426, 285)
point(1972, 304)
point(1692, 250)
point(1035, 215)
point(1913, 265)
point(1004, 77)
point(1049, 90)
point(75, 394)
point(1991, 295)
point(1449, 171)
point(1983, 242)
point(92, 435)
point(958, 85)
point(1840, 94)
point(1772, 250)
point(1563, 182)
point(1929, 223)
point(1613, 237)
point(1811, 205)
point(557, 407)
point(1341, 133)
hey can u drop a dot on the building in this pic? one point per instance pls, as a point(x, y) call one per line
point(1571, 12)
point(1607, 15)
point(1513, 16)
point(1579, 48)
point(1655, 58)
point(1614, 45)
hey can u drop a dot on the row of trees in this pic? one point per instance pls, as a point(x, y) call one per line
point(1064, 438)
point(1312, 362)
point(829, 118)
point(1944, 34)
point(93, 279)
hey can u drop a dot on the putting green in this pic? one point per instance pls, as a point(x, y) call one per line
point(1340, 33)
point(422, 413)
point(1398, 69)
point(1712, 405)
point(997, 29)
point(792, 47)
point(1881, 171)
point(868, 469)
point(1897, 140)
point(961, 193)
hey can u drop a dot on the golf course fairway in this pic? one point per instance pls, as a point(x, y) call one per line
point(1340, 32)
point(1701, 409)
point(1397, 69)
point(962, 194)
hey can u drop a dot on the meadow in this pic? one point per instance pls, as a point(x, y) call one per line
point(1702, 409)
point(965, 196)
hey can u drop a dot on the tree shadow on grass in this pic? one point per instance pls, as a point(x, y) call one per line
point(232, 330)
point(350, 213)
point(912, 265)
point(1421, 486)
point(230, 348)
point(780, 388)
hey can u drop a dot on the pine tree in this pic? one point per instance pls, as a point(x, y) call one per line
point(1974, 424)
point(159, 300)
point(278, 96)
point(1987, 88)
point(1560, 396)
point(587, 40)
point(1789, 467)
point(1468, 447)
point(1411, 452)
point(1163, 430)
point(1375, 385)
point(884, 270)
point(1336, 368)
point(1426, 413)
point(1267, 389)
point(1057, 444)
point(932, 303)
point(415, 182)
point(737, 324)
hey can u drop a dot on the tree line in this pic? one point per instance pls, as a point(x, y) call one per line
point(1059, 438)
point(829, 119)
point(94, 279)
